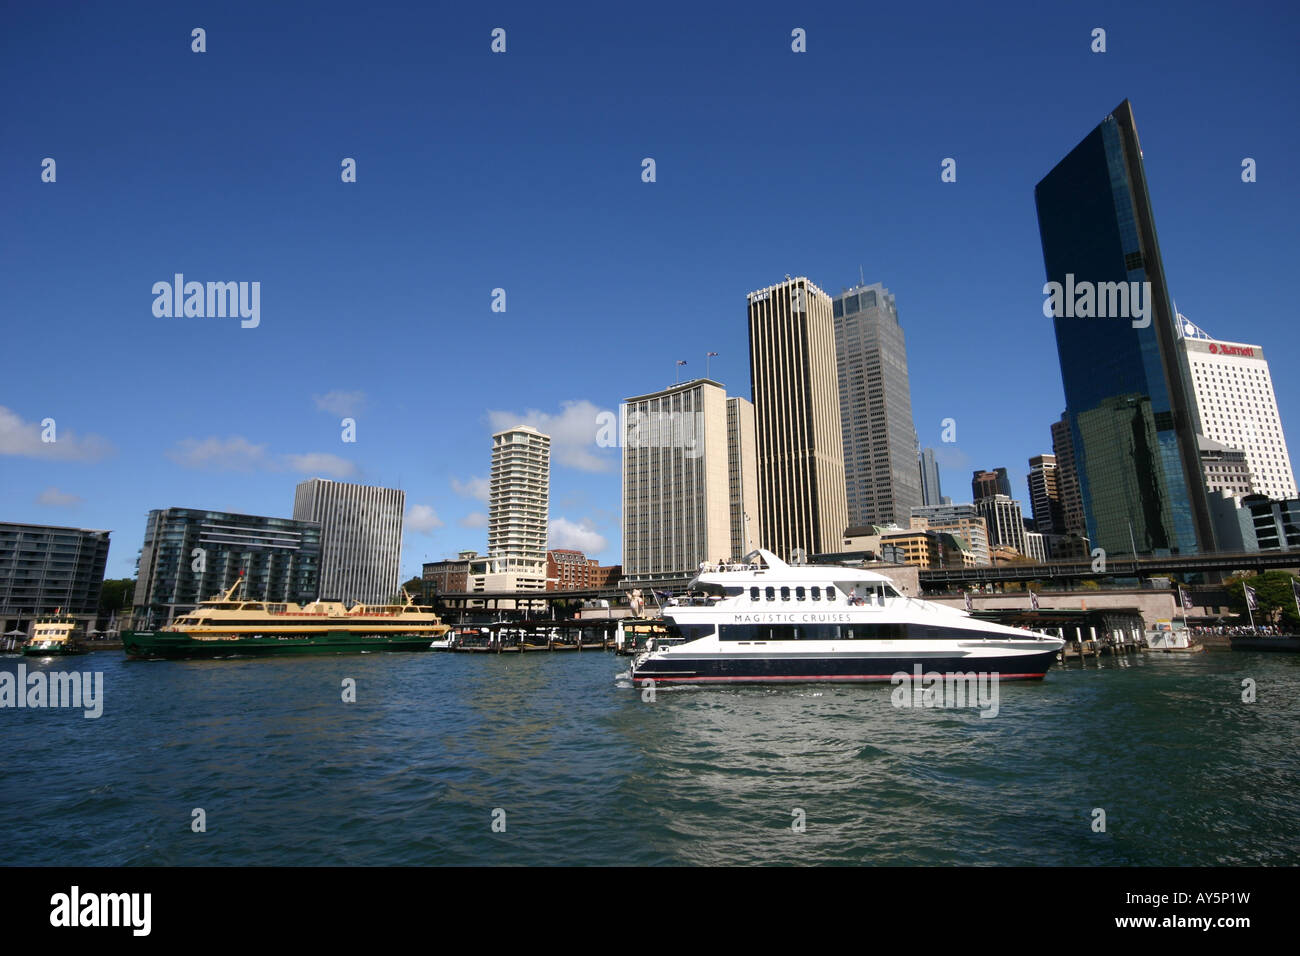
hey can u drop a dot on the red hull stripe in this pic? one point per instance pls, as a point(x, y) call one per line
point(816, 677)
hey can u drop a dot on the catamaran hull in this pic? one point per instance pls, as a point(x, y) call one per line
point(839, 667)
point(158, 645)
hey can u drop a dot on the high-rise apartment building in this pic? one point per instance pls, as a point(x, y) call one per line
point(1128, 401)
point(43, 568)
point(882, 483)
point(1045, 495)
point(190, 556)
point(1236, 405)
point(931, 492)
point(519, 496)
point(689, 481)
point(792, 358)
point(361, 538)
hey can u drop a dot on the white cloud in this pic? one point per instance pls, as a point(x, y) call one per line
point(53, 498)
point(24, 439)
point(237, 453)
point(422, 518)
point(581, 536)
point(320, 463)
point(475, 519)
point(474, 488)
point(573, 433)
point(340, 403)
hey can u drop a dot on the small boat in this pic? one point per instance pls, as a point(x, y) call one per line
point(54, 636)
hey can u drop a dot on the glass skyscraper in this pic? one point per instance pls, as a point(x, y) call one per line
point(1128, 404)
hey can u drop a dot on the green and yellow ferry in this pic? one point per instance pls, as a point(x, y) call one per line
point(53, 637)
point(227, 627)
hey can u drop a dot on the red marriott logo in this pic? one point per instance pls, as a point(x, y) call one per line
point(1230, 350)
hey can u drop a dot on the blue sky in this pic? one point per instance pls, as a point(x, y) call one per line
point(522, 171)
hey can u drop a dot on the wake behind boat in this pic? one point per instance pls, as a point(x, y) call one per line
point(226, 626)
point(767, 621)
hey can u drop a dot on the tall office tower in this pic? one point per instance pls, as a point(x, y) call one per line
point(931, 493)
point(361, 538)
point(1045, 495)
point(881, 479)
point(1128, 402)
point(742, 469)
point(1005, 522)
point(689, 479)
point(986, 484)
point(1067, 477)
point(1236, 405)
point(43, 568)
point(519, 496)
point(802, 504)
point(190, 556)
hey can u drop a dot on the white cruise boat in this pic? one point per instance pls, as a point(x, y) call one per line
point(767, 621)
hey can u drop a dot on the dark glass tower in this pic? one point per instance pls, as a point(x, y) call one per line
point(1128, 405)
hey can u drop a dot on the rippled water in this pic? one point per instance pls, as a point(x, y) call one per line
point(586, 772)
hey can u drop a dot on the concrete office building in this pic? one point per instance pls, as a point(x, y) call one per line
point(189, 555)
point(1045, 495)
point(803, 507)
point(1226, 469)
point(882, 482)
point(1005, 522)
point(361, 538)
point(962, 520)
point(689, 480)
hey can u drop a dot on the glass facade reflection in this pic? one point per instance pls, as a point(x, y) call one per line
point(1127, 402)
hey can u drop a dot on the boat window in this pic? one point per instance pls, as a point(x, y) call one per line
point(753, 594)
point(800, 594)
point(770, 593)
point(830, 593)
point(816, 593)
point(785, 594)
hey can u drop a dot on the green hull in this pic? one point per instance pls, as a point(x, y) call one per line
point(53, 652)
point(170, 645)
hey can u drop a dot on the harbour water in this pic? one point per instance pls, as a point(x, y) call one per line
point(579, 770)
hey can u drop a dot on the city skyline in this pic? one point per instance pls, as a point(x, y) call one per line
point(340, 295)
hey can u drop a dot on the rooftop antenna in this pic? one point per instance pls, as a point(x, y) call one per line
point(862, 279)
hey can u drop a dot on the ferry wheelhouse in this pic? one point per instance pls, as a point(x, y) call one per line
point(766, 621)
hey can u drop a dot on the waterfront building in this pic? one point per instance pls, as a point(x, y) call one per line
point(1067, 478)
point(47, 567)
point(1237, 407)
point(931, 492)
point(986, 484)
point(1226, 469)
point(962, 520)
point(803, 506)
point(1036, 546)
point(189, 555)
point(1045, 495)
point(1128, 402)
point(451, 575)
point(519, 494)
point(882, 482)
point(1005, 522)
point(361, 538)
point(571, 570)
point(689, 481)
